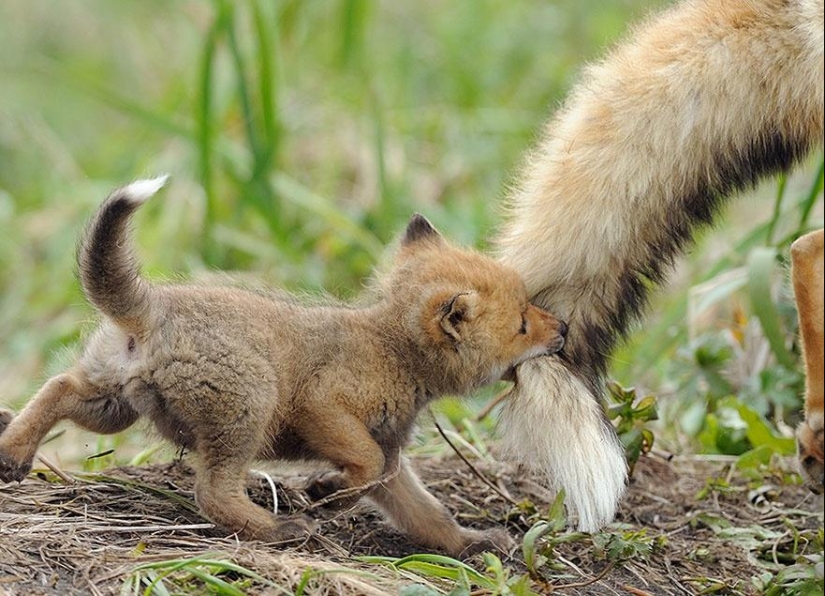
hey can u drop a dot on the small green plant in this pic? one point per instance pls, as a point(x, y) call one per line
point(632, 415)
point(193, 575)
point(496, 580)
point(540, 541)
point(630, 544)
point(714, 485)
point(794, 580)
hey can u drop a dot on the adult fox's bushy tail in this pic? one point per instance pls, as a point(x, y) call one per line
point(700, 102)
point(109, 272)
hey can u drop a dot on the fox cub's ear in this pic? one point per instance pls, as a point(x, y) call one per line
point(419, 229)
point(455, 312)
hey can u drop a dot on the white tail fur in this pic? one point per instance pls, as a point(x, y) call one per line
point(141, 190)
point(553, 425)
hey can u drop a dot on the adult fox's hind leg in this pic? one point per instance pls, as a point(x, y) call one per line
point(67, 396)
point(809, 289)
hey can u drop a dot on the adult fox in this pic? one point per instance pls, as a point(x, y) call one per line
point(701, 101)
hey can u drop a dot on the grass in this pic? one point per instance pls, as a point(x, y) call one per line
point(300, 137)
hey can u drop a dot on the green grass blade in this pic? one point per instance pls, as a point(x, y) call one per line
point(810, 200)
point(193, 566)
point(352, 30)
point(430, 565)
point(76, 80)
point(528, 545)
point(205, 122)
point(249, 119)
point(293, 191)
point(268, 77)
point(761, 265)
point(781, 185)
point(219, 586)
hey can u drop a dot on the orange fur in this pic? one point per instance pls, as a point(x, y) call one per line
point(809, 290)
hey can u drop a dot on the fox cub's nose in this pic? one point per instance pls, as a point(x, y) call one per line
point(562, 329)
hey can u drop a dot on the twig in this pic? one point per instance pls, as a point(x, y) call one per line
point(673, 578)
point(635, 591)
point(473, 469)
point(57, 471)
point(572, 565)
point(356, 490)
point(775, 547)
point(268, 478)
point(485, 411)
point(592, 580)
point(159, 528)
point(665, 455)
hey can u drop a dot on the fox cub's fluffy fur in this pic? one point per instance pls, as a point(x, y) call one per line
point(701, 101)
point(238, 376)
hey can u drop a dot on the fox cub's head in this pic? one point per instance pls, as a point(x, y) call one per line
point(468, 314)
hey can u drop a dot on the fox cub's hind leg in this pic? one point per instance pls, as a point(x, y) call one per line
point(220, 491)
point(228, 435)
point(66, 396)
point(809, 288)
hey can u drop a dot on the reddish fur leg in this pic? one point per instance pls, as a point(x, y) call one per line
point(405, 499)
point(807, 273)
point(345, 442)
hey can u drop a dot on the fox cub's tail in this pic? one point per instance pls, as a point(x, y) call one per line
point(109, 271)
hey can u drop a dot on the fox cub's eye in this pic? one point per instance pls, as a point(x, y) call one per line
point(523, 330)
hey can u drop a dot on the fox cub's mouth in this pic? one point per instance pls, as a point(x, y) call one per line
point(555, 346)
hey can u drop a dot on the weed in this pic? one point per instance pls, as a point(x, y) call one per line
point(192, 575)
point(632, 415)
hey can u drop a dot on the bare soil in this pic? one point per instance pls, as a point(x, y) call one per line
point(707, 527)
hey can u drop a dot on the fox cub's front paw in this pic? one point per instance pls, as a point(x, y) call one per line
point(809, 441)
point(287, 530)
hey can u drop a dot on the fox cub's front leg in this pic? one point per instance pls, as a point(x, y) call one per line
point(414, 510)
point(343, 440)
point(807, 273)
point(389, 481)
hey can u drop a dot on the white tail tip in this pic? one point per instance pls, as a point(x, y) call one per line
point(140, 190)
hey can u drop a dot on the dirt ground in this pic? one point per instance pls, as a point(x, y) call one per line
point(687, 526)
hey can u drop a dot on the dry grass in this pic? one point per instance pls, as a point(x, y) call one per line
point(687, 525)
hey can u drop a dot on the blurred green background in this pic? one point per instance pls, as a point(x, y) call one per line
point(300, 136)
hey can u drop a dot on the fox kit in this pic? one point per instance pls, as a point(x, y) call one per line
point(700, 102)
point(807, 254)
point(238, 376)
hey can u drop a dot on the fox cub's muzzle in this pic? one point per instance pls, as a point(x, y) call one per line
point(547, 330)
